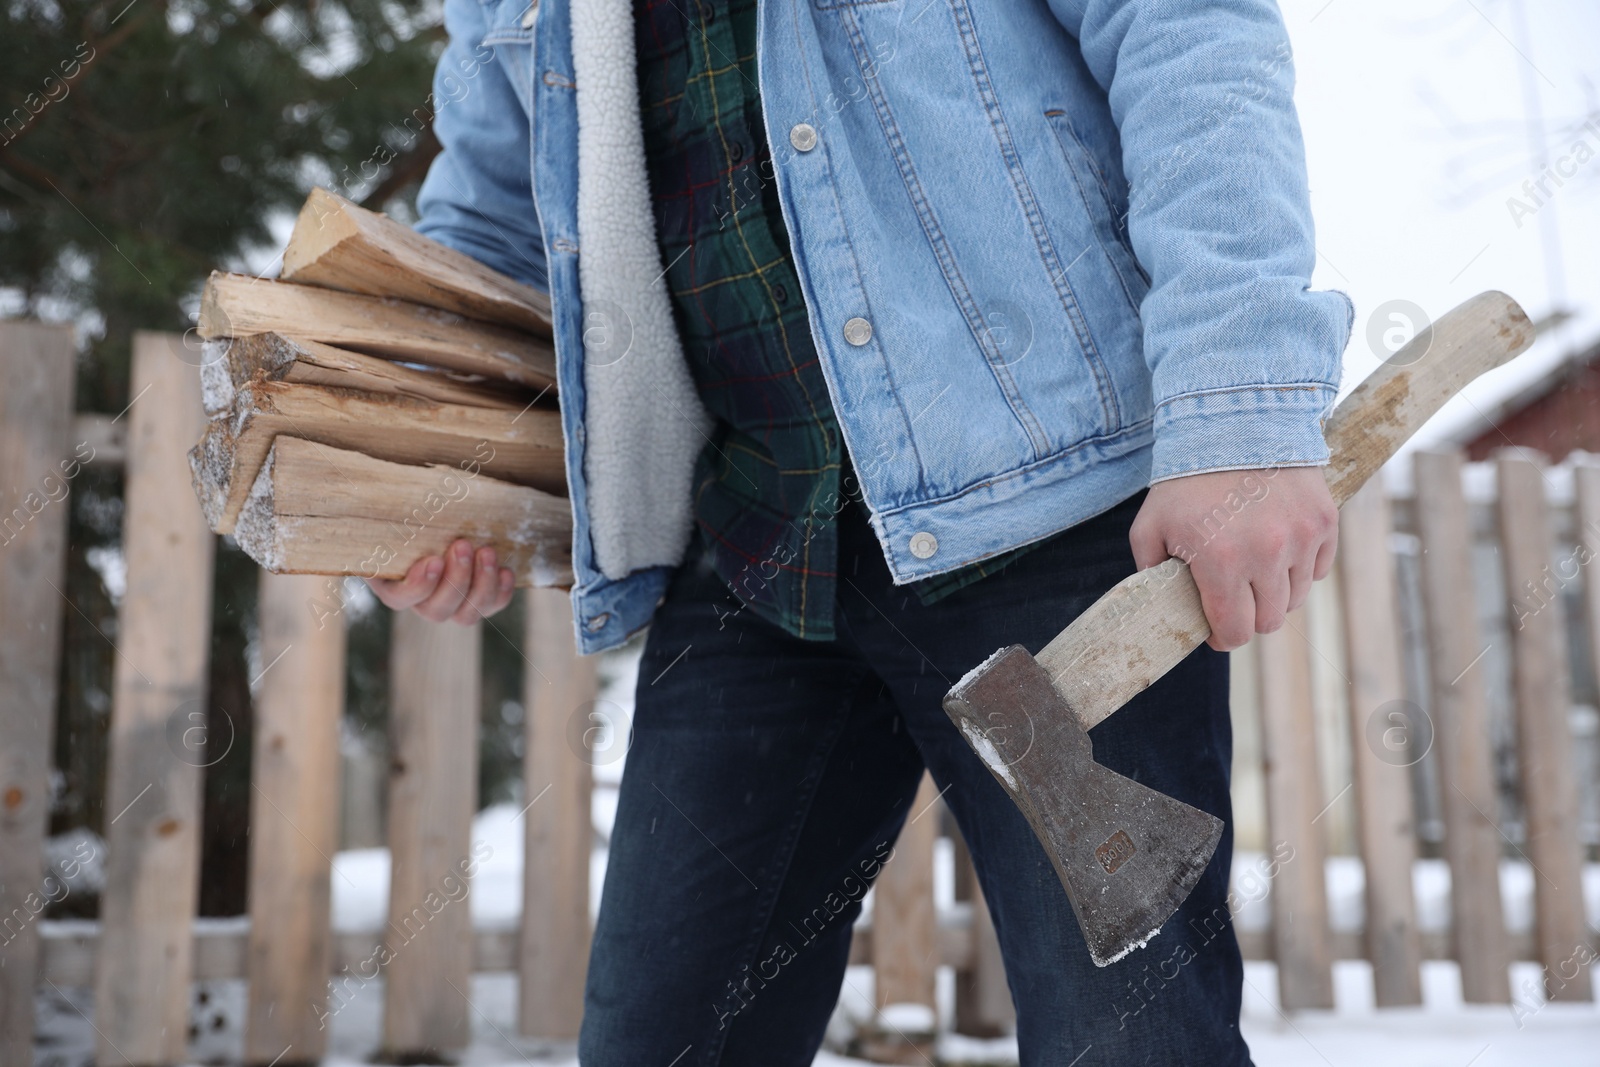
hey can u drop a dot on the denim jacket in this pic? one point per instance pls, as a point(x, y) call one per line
point(1051, 251)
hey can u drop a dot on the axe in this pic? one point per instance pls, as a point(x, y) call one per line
point(1127, 854)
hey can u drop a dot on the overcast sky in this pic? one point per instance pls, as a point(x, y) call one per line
point(1422, 119)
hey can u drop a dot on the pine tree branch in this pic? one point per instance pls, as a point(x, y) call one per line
point(97, 49)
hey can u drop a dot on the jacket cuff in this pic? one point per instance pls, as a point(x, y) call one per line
point(1244, 428)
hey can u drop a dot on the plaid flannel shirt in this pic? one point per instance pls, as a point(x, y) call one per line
point(773, 477)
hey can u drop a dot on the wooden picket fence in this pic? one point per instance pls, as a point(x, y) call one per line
point(1348, 747)
point(148, 948)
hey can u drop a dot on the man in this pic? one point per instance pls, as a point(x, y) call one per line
point(868, 352)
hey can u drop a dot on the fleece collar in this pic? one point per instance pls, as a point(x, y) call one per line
point(643, 423)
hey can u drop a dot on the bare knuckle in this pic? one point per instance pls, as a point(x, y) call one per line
point(1227, 640)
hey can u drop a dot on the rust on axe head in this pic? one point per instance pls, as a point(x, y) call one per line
point(1127, 854)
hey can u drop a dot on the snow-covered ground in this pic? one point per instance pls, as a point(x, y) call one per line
point(1441, 1034)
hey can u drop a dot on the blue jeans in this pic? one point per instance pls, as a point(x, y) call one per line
point(769, 776)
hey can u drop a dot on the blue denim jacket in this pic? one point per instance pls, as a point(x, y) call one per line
point(1052, 250)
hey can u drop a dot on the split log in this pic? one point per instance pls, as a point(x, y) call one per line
point(235, 305)
point(232, 362)
point(520, 447)
point(337, 245)
point(320, 510)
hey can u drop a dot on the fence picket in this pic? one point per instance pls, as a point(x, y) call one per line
point(559, 686)
point(983, 1000)
point(1541, 684)
point(1460, 709)
point(903, 922)
point(294, 818)
point(1586, 523)
point(153, 790)
point(36, 384)
point(1294, 803)
point(433, 794)
point(1387, 829)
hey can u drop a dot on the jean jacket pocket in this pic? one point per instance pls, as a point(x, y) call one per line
point(1110, 226)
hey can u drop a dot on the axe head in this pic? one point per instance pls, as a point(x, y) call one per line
point(1127, 854)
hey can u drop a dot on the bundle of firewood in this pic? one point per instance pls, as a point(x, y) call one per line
point(384, 396)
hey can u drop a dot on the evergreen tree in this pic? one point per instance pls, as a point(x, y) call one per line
point(144, 143)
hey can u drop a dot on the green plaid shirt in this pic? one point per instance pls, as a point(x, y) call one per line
point(773, 477)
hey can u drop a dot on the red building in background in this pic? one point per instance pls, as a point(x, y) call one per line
point(1557, 414)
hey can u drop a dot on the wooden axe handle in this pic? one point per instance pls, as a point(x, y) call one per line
point(1150, 621)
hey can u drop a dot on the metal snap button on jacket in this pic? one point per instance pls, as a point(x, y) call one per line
point(803, 136)
point(858, 331)
point(924, 544)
